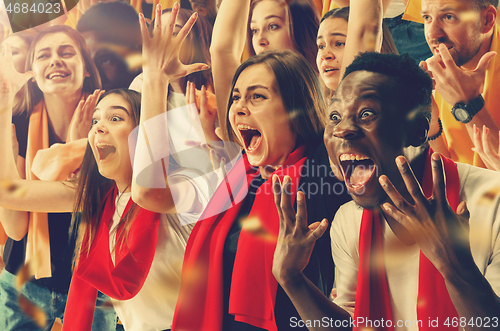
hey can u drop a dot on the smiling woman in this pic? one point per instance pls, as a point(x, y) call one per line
point(62, 76)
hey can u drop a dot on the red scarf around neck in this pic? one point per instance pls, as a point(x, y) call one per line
point(253, 286)
point(372, 293)
point(96, 271)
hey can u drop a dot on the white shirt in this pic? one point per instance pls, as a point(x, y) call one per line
point(402, 262)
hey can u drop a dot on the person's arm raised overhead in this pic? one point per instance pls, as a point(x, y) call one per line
point(161, 66)
point(228, 43)
point(364, 29)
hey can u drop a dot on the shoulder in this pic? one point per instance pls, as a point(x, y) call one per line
point(347, 222)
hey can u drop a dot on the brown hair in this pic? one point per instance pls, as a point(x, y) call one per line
point(303, 18)
point(33, 95)
point(199, 40)
point(299, 89)
point(92, 188)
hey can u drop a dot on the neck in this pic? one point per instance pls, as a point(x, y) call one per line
point(123, 186)
point(485, 48)
point(266, 171)
point(60, 111)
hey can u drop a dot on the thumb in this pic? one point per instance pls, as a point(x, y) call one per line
point(318, 228)
point(484, 61)
point(190, 68)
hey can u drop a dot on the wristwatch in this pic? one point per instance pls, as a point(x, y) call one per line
point(465, 112)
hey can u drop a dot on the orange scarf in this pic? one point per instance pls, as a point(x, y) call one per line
point(56, 163)
point(372, 294)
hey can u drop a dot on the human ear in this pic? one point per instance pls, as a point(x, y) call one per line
point(488, 18)
point(417, 133)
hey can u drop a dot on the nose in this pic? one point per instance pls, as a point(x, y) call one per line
point(240, 108)
point(55, 60)
point(434, 32)
point(261, 38)
point(99, 127)
point(346, 129)
point(326, 54)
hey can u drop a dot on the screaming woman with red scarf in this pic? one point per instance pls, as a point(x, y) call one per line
point(275, 112)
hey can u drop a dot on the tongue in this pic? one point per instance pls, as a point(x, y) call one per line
point(361, 174)
point(254, 141)
point(104, 152)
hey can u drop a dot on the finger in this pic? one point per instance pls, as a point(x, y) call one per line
point(157, 28)
point(187, 27)
point(277, 197)
point(203, 100)
point(195, 67)
point(319, 230)
point(399, 216)
point(463, 211)
point(394, 195)
point(411, 182)
point(439, 187)
point(286, 195)
point(144, 29)
point(188, 93)
point(169, 30)
point(7, 52)
point(446, 57)
point(484, 61)
point(301, 216)
point(423, 65)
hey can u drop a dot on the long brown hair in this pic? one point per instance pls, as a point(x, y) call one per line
point(33, 95)
point(92, 188)
point(303, 18)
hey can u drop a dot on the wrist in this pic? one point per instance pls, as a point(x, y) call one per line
point(155, 77)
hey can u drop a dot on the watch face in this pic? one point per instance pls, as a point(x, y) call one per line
point(461, 115)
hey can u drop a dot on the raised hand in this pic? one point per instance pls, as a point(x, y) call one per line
point(161, 51)
point(11, 81)
point(456, 84)
point(82, 118)
point(296, 239)
point(442, 235)
point(206, 117)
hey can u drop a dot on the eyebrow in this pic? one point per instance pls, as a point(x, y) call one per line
point(269, 17)
point(444, 9)
point(332, 34)
point(62, 46)
point(115, 107)
point(252, 88)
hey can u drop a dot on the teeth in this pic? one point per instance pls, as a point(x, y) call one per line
point(353, 157)
point(58, 75)
point(245, 127)
point(103, 145)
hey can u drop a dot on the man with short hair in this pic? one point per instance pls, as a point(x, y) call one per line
point(462, 35)
point(408, 258)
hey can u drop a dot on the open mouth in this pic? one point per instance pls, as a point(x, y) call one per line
point(105, 150)
point(57, 75)
point(357, 169)
point(329, 71)
point(251, 137)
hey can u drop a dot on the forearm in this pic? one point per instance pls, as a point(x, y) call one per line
point(313, 305)
point(473, 298)
point(364, 30)
point(228, 43)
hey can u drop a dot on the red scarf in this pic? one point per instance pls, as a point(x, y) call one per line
point(253, 286)
point(96, 271)
point(372, 294)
